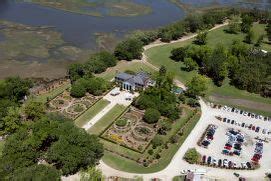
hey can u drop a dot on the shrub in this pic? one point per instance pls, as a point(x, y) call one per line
point(151, 116)
point(174, 139)
point(150, 152)
point(121, 122)
point(191, 156)
point(157, 141)
point(78, 90)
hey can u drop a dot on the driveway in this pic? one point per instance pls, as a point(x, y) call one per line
point(120, 99)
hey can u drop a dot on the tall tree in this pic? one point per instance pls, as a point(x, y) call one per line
point(197, 86)
point(12, 120)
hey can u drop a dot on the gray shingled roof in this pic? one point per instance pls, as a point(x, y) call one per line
point(140, 78)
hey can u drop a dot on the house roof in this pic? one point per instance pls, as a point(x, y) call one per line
point(139, 78)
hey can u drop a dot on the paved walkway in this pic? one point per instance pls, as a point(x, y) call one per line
point(114, 100)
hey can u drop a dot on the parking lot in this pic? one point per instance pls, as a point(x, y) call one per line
point(231, 139)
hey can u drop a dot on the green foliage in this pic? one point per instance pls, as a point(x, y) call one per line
point(216, 65)
point(14, 88)
point(57, 142)
point(249, 37)
point(91, 174)
point(36, 172)
point(121, 122)
point(76, 71)
point(234, 25)
point(192, 156)
point(178, 54)
point(197, 86)
point(129, 49)
point(99, 62)
point(12, 120)
point(190, 64)
point(157, 141)
point(151, 115)
point(201, 38)
point(247, 22)
point(78, 90)
point(34, 110)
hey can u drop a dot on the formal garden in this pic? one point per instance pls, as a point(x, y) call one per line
point(71, 107)
point(131, 131)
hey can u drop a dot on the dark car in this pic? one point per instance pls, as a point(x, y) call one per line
point(248, 165)
point(209, 160)
point(225, 152)
point(249, 114)
point(241, 112)
point(232, 121)
point(243, 124)
point(236, 152)
point(228, 120)
point(232, 110)
point(253, 128)
point(250, 126)
point(257, 129)
point(224, 119)
point(219, 162)
point(203, 158)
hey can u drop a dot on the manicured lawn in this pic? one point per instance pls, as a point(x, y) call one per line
point(91, 112)
point(128, 165)
point(105, 121)
point(1, 147)
point(161, 56)
point(122, 66)
point(43, 98)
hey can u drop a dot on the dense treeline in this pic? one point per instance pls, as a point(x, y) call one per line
point(57, 143)
point(247, 67)
point(159, 100)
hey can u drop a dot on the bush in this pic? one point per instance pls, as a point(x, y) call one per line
point(174, 139)
point(151, 116)
point(78, 90)
point(192, 156)
point(150, 152)
point(129, 49)
point(121, 122)
point(157, 141)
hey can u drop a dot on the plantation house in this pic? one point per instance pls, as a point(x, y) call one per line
point(138, 81)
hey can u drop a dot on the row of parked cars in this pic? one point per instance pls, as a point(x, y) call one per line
point(252, 127)
point(258, 152)
point(234, 143)
point(225, 163)
point(209, 136)
point(238, 111)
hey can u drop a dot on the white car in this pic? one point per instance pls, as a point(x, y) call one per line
point(214, 161)
point(245, 113)
point(184, 171)
point(225, 163)
point(243, 165)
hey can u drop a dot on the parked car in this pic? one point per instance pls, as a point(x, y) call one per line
point(225, 163)
point(243, 165)
point(232, 121)
point(257, 129)
point(243, 125)
point(209, 160)
point(219, 162)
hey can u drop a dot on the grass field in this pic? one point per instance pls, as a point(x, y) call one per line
point(106, 120)
point(128, 165)
point(160, 56)
point(1, 147)
point(91, 112)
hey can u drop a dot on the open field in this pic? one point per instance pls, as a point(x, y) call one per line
point(98, 8)
point(223, 95)
point(124, 164)
point(91, 112)
point(110, 117)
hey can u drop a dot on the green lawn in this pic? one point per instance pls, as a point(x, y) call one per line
point(128, 165)
point(91, 112)
point(160, 56)
point(53, 93)
point(106, 120)
point(1, 147)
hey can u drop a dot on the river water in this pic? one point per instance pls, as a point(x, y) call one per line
point(79, 29)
